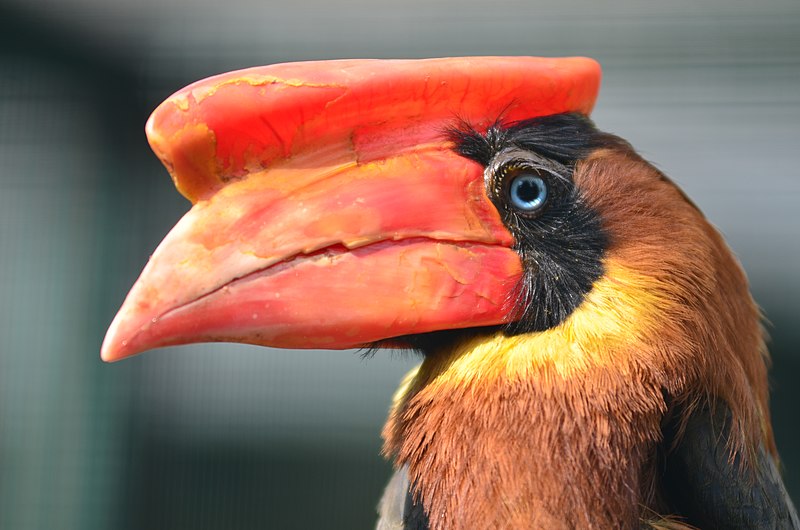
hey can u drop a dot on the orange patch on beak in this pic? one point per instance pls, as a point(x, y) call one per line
point(336, 256)
point(328, 210)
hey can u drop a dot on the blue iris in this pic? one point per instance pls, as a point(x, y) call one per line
point(528, 192)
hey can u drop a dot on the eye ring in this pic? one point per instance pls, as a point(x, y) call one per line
point(527, 192)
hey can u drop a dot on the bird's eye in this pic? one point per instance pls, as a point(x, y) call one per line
point(527, 192)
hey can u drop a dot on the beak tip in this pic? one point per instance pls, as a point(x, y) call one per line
point(106, 356)
point(108, 352)
point(111, 349)
point(114, 347)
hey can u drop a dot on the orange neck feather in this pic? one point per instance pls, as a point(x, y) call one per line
point(559, 429)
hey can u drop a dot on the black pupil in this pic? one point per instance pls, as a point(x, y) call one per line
point(528, 190)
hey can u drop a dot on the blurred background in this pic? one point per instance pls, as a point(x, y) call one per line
point(220, 436)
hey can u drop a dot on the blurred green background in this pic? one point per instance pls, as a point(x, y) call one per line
point(219, 436)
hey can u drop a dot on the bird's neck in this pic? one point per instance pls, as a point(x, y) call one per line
point(533, 431)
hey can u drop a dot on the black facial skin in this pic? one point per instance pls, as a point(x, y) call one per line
point(561, 244)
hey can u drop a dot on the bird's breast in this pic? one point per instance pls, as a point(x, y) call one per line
point(542, 430)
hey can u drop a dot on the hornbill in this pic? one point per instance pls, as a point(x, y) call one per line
point(591, 355)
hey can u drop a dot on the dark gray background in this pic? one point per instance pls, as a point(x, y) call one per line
point(213, 437)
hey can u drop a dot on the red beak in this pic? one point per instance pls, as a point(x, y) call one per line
point(330, 210)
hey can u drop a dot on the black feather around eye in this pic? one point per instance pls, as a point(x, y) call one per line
point(564, 138)
point(562, 258)
point(561, 245)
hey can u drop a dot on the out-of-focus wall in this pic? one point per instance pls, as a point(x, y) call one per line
point(219, 436)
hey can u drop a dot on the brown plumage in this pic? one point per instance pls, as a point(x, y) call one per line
point(592, 355)
point(561, 429)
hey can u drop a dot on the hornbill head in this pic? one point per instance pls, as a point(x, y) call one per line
point(341, 203)
point(574, 308)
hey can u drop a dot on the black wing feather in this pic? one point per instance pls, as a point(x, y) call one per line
point(397, 509)
point(713, 490)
